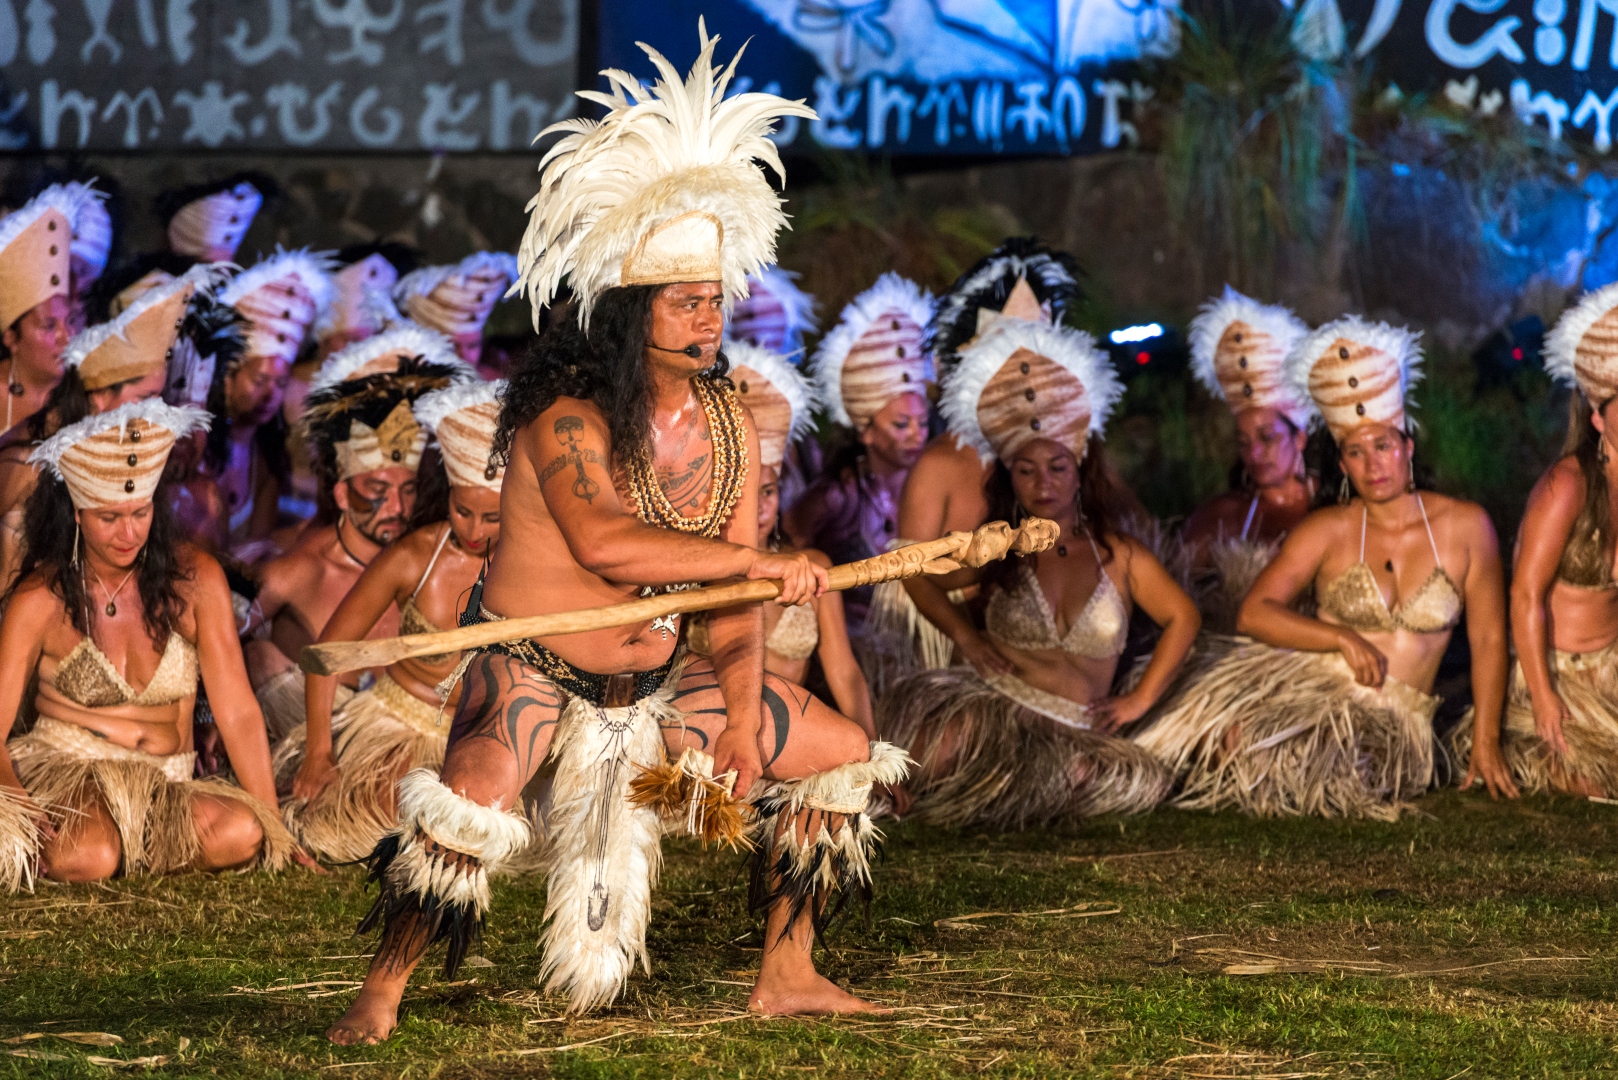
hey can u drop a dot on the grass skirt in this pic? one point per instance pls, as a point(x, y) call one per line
point(281, 700)
point(984, 758)
point(1588, 685)
point(381, 734)
point(149, 798)
point(1278, 732)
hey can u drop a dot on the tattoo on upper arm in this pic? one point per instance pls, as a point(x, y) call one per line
point(567, 430)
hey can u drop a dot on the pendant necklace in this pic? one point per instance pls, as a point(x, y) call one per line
point(112, 597)
point(344, 544)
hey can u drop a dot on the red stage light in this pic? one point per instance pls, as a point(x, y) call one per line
point(1143, 357)
point(1516, 354)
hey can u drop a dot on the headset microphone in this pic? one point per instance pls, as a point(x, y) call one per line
point(694, 351)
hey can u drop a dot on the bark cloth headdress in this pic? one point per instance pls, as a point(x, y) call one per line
point(213, 221)
point(1021, 278)
point(1023, 381)
point(777, 395)
point(359, 416)
point(463, 418)
point(1582, 348)
point(456, 300)
point(280, 297)
point(1357, 372)
point(362, 299)
point(1239, 349)
point(775, 313)
point(140, 339)
point(36, 246)
point(876, 352)
point(117, 457)
point(667, 187)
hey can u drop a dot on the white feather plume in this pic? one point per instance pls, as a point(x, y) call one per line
point(204, 276)
point(422, 282)
point(1074, 350)
point(889, 293)
point(180, 419)
point(431, 409)
point(412, 338)
point(1562, 343)
point(312, 268)
point(799, 391)
point(1396, 341)
point(70, 199)
point(798, 305)
point(678, 147)
point(1209, 326)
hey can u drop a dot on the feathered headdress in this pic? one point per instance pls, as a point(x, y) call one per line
point(1022, 381)
point(366, 422)
point(664, 189)
point(210, 221)
point(876, 352)
point(91, 224)
point(987, 286)
point(36, 250)
point(362, 299)
point(1582, 348)
point(775, 313)
point(1357, 372)
point(457, 299)
point(464, 418)
point(383, 353)
point(138, 340)
point(775, 393)
point(1239, 349)
point(118, 456)
point(281, 297)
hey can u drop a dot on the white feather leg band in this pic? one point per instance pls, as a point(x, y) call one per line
point(804, 863)
point(436, 863)
point(606, 851)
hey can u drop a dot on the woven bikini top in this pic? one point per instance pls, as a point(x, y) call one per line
point(1585, 562)
point(1021, 617)
point(797, 634)
point(86, 677)
point(411, 619)
point(1355, 599)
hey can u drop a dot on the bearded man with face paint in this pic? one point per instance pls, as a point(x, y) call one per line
point(365, 445)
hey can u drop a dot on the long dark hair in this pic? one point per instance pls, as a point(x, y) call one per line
point(1099, 502)
point(607, 367)
point(50, 532)
point(67, 403)
point(1323, 448)
point(1584, 446)
point(432, 491)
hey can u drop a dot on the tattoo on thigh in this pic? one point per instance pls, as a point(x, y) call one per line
point(506, 704)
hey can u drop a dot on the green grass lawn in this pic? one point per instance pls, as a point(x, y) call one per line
point(1471, 939)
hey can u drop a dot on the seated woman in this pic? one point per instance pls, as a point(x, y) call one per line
point(1238, 348)
point(117, 615)
point(1332, 716)
point(1561, 716)
point(343, 790)
point(1028, 738)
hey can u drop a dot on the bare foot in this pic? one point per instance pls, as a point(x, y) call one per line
point(370, 1019)
point(814, 996)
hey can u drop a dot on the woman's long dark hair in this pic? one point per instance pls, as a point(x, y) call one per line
point(1099, 502)
point(1584, 445)
point(50, 530)
point(607, 366)
point(432, 491)
point(68, 403)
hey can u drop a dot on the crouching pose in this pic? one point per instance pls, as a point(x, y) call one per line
point(631, 467)
point(1030, 736)
point(117, 615)
point(1333, 716)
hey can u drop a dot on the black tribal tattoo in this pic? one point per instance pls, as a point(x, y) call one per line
point(502, 702)
point(782, 700)
point(567, 430)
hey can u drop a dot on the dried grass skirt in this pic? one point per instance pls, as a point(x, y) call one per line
point(381, 734)
point(148, 797)
point(984, 758)
point(1276, 732)
point(281, 700)
point(1588, 685)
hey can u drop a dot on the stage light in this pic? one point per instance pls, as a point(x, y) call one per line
point(1131, 334)
point(1143, 357)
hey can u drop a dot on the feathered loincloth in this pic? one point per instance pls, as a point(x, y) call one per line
point(1588, 686)
point(381, 734)
point(1278, 732)
point(148, 797)
point(984, 758)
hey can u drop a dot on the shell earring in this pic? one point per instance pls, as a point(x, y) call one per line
point(1410, 483)
point(1601, 450)
point(1344, 493)
point(75, 559)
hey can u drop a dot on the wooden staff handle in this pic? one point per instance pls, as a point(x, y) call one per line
point(983, 545)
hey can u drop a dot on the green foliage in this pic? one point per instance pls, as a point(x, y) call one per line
point(1473, 938)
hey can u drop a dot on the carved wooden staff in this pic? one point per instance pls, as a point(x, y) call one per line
point(986, 544)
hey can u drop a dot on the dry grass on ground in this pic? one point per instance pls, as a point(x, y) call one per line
point(1471, 939)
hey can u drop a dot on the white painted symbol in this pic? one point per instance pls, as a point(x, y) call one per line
point(41, 34)
point(531, 50)
point(213, 115)
point(289, 97)
point(364, 134)
point(180, 25)
point(54, 104)
point(13, 140)
point(277, 39)
point(358, 19)
point(505, 107)
point(147, 18)
point(97, 12)
point(441, 117)
point(131, 107)
point(10, 33)
point(448, 36)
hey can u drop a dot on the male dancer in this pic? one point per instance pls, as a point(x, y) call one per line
point(631, 466)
